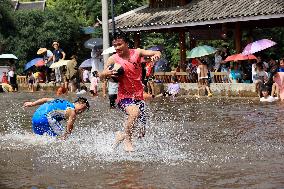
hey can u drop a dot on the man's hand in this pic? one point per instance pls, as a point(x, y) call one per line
point(28, 104)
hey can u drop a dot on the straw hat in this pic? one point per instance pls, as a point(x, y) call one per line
point(55, 43)
point(41, 50)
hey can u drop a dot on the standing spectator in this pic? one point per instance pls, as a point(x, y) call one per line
point(48, 59)
point(202, 72)
point(31, 81)
point(112, 93)
point(94, 84)
point(224, 54)
point(71, 73)
point(218, 59)
point(57, 55)
point(86, 76)
point(13, 79)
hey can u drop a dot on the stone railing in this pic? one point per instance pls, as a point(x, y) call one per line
point(185, 77)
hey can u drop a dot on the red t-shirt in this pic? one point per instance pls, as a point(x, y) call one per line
point(130, 84)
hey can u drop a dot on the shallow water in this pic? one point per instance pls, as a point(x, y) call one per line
point(190, 143)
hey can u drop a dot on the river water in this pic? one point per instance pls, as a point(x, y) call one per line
point(190, 143)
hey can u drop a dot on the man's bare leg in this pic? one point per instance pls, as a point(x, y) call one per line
point(119, 137)
point(133, 113)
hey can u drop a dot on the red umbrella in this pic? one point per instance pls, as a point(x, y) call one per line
point(237, 57)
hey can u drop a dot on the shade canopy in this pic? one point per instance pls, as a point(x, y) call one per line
point(8, 56)
point(257, 46)
point(59, 63)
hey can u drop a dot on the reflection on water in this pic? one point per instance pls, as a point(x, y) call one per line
point(190, 143)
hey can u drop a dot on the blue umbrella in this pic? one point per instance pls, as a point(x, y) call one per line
point(94, 43)
point(32, 63)
point(156, 48)
point(161, 65)
point(86, 64)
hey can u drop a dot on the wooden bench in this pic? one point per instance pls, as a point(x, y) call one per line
point(22, 80)
point(219, 77)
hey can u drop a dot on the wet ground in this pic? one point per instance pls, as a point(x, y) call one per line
point(190, 143)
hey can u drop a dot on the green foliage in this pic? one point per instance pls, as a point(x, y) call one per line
point(35, 29)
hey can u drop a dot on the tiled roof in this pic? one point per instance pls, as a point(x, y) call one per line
point(39, 5)
point(200, 12)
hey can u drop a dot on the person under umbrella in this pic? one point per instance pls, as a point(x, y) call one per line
point(47, 58)
point(58, 53)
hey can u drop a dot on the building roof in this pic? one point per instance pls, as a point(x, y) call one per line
point(38, 5)
point(200, 12)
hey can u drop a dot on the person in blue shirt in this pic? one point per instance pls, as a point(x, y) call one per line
point(47, 118)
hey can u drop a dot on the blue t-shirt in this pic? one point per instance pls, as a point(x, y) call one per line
point(58, 54)
point(54, 109)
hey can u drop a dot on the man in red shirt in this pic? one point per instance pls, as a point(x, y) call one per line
point(130, 87)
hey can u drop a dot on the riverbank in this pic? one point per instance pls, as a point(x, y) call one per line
point(218, 89)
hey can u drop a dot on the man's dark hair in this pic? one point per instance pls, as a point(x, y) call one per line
point(83, 100)
point(121, 35)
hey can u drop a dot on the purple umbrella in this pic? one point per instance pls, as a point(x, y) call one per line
point(257, 46)
point(156, 48)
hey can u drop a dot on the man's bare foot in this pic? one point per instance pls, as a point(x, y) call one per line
point(119, 137)
point(142, 132)
point(128, 146)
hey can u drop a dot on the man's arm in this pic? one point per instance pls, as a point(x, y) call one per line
point(37, 102)
point(155, 55)
point(70, 113)
point(63, 55)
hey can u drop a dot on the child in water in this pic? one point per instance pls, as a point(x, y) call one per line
point(94, 84)
point(266, 97)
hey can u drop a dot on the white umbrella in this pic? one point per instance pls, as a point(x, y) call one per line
point(8, 56)
point(109, 50)
point(59, 63)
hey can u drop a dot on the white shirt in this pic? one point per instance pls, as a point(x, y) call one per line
point(86, 75)
point(267, 99)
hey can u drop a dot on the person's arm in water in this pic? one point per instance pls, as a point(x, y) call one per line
point(71, 115)
point(37, 102)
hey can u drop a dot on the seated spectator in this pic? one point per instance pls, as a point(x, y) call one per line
point(235, 74)
point(266, 97)
point(260, 77)
point(5, 78)
point(173, 88)
point(61, 91)
point(275, 87)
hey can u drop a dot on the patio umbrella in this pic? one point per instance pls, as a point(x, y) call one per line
point(161, 65)
point(109, 50)
point(201, 51)
point(59, 63)
point(94, 43)
point(8, 56)
point(33, 62)
point(237, 57)
point(156, 48)
point(86, 64)
point(257, 46)
point(41, 50)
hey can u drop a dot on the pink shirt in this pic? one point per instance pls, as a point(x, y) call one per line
point(130, 84)
point(94, 83)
